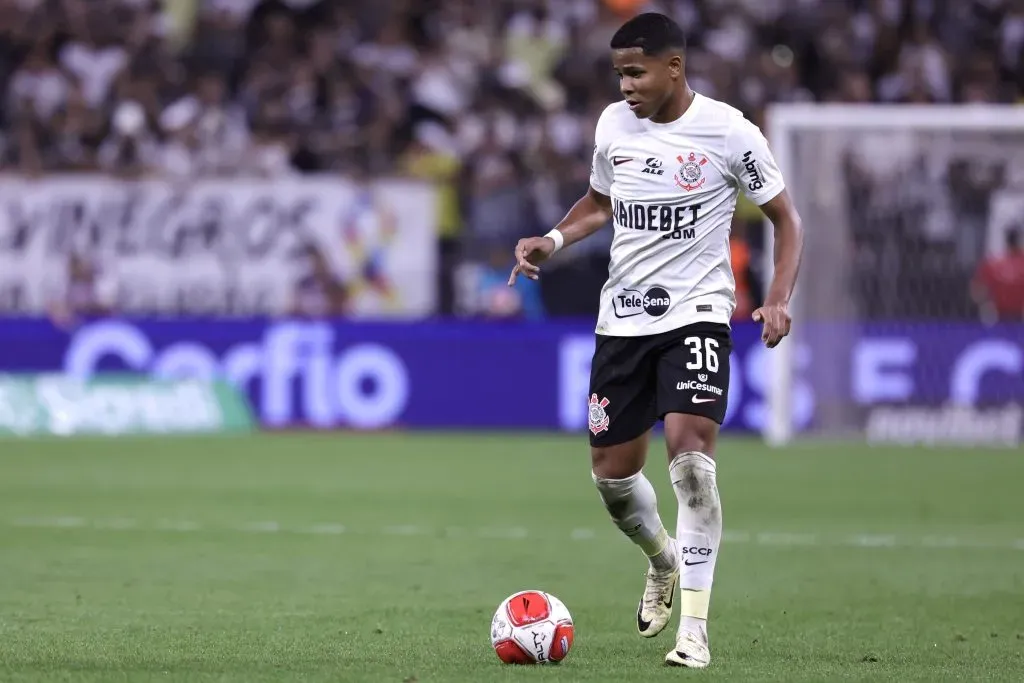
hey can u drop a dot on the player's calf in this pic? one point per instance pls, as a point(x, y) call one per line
point(633, 506)
point(698, 536)
point(628, 496)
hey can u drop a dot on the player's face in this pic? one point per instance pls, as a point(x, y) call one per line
point(646, 81)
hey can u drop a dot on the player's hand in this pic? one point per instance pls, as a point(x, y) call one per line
point(776, 323)
point(529, 252)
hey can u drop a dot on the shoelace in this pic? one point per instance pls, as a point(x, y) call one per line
point(657, 586)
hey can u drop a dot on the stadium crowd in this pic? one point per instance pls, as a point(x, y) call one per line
point(494, 101)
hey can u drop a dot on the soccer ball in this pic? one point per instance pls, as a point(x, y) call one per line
point(531, 627)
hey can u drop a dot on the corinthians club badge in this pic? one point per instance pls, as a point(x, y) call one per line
point(598, 417)
point(690, 176)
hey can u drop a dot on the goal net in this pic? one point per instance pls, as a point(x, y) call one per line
point(901, 205)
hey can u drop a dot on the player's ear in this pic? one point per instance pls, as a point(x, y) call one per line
point(675, 66)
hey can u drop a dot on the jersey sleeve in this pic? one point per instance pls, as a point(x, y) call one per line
point(601, 175)
point(752, 163)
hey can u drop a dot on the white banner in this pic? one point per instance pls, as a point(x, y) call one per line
point(220, 246)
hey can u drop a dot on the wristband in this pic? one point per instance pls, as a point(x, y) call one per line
point(556, 237)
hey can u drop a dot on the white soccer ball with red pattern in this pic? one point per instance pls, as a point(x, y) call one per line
point(532, 627)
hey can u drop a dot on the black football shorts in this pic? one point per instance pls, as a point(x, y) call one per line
point(636, 381)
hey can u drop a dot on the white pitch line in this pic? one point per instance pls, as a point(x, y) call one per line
point(939, 542)
point(177, 525)
point(874, 540)
point(764, 538)
point(498, 532)
point(326, 529)
point(116, 523)
point(775, 538)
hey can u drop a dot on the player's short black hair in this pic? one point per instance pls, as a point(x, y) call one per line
point(652, 32)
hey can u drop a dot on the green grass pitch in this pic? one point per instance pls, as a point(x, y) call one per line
point(341, 557)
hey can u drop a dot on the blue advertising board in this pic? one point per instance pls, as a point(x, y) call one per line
point(496, 375)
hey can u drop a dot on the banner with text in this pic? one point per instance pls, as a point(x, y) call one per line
point(218, 247)
point(535, 376)
point(113, 405)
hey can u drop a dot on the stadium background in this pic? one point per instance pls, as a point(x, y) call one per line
point(200, 172)
point(314, 203)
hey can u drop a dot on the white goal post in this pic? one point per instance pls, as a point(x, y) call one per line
point(890, 233)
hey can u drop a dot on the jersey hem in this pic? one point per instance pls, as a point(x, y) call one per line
point(667, 326)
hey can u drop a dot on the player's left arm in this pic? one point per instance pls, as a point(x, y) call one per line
point(789, 240)
point(754, 168)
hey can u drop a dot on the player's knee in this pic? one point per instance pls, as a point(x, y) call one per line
point(690, 433)
point(616, 462)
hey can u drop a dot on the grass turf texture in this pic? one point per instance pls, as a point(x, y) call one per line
point(381, 558)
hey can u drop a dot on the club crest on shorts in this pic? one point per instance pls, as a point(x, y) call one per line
point(598, 416)
point(702, 377)
point(690, 176)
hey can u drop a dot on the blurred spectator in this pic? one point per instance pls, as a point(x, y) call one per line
point(492, 101)
point(496, 299)
point(740, 258)
point(319, 293)
point(300, 75)
point(86, 290)
point(483, 289)
point(998, 285)
point(431, 157)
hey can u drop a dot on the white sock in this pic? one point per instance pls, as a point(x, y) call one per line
point(698, 535)
point(633, 506)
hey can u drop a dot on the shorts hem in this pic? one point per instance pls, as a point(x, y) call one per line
point(617, 439)
point(682, 411)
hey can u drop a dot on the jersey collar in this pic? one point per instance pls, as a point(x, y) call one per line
point(687, 116)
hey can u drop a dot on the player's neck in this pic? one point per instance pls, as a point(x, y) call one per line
point(678, 105)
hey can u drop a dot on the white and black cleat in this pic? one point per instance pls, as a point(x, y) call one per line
point(691, 651)
point(655, 608)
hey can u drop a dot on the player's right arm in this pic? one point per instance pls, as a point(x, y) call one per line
point(588, 215)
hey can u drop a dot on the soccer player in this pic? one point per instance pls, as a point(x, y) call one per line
point(668, 166)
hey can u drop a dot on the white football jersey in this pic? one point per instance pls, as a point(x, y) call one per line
point(674, 188)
